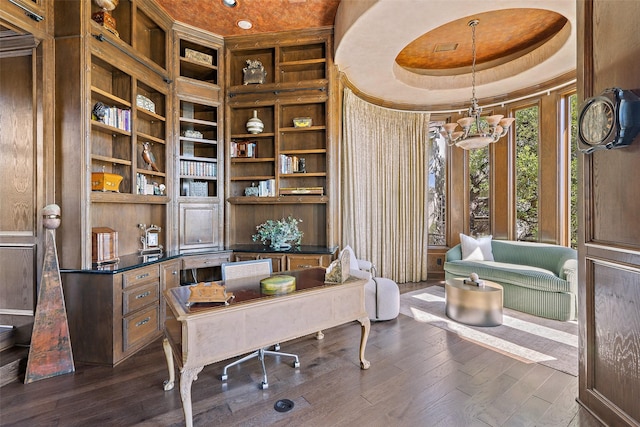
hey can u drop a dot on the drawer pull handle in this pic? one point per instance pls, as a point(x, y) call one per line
point(143, 321)
point(143, 295)
point(175, 272)
point(305, 266)
point(142, 276)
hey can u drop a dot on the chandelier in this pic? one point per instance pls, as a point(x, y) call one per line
point(484, 133)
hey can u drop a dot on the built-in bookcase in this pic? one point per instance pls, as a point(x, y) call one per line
point(289, 161)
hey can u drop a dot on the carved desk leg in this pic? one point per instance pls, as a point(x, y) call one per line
point(168, 384)
point(187, 376)
point(366, 325)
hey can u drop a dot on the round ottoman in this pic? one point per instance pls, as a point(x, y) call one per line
point(382, 299)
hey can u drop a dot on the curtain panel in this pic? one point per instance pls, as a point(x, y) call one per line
point(384, 172)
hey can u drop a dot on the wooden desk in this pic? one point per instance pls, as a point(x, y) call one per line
point(199, 336)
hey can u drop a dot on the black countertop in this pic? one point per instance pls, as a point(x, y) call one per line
point(132, 261)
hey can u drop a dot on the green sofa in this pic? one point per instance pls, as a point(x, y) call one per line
point(537, 278)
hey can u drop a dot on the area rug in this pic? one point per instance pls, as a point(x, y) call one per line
point(529, 338)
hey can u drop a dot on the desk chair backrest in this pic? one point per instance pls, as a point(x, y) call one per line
point(257, 269)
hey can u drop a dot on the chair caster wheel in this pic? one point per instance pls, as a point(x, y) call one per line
point(224, 377)
point(264, 386)
point(296, 364)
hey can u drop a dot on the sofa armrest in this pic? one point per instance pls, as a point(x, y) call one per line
point(569, 272)
point(454, 254)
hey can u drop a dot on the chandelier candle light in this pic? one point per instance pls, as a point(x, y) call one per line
point(486, 132)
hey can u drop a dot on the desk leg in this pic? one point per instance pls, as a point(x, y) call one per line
point(168, 384)
point(187, 376)
point(366, 325)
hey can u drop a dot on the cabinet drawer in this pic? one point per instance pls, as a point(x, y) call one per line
point(136, 298)
point(204, 261)
point(141, 275)
point(138, 327)
point(298, 262)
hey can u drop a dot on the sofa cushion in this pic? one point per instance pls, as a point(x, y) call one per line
point(476, 249)
point(521, 275)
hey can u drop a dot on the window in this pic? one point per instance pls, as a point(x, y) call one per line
point(479, 201)
point(527, 131)
point(573, 170)
point(437, 190)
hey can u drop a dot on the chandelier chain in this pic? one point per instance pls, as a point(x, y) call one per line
point(473, 25)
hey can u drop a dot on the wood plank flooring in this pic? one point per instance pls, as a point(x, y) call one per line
point(420, 375)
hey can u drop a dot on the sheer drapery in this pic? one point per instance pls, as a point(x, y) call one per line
point(384, 187)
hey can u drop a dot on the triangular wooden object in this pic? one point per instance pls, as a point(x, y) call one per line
point(50, 352)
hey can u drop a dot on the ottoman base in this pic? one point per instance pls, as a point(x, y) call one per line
point(382, 299)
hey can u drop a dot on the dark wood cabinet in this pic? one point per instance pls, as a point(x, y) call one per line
point(113, 314)
point(292, 259)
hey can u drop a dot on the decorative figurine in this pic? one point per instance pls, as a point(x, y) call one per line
point(103, 17)
point(148, 156)
point(254, 72)
point(99, 111)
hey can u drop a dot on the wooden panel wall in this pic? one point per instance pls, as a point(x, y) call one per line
point(609, 245)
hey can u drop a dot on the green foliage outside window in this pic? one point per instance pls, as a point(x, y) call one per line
point(479, 206)
point(437, 191)
point(573, 172)
point(527, 131)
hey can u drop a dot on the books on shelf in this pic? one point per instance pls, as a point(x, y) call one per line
point(117, 118)
point(195, 168)
point(267, 188)
point(292, 164)
point(244, 149)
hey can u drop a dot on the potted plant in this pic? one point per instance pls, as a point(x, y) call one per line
point(280, 234)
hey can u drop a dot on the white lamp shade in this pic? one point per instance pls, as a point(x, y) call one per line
point(450, 127)
point(494, 120)
point(474, 142)
point(465, 122)
point(506, 122)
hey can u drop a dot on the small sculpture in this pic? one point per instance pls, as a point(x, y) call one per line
point(209, 293)
point(148, 156)
point(103, 17)
point(254, 72)
point(99, 111)
point(474, 280)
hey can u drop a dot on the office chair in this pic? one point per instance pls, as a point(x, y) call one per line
point(256, 270)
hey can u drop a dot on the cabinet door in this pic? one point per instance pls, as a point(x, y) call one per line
point(277, 261)
point(198, 225)
point(169, 278)
point(298, 262)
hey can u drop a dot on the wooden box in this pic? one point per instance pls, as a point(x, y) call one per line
point(104, 242)
point(103, 181)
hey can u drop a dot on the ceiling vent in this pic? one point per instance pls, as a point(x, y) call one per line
point(446, 47)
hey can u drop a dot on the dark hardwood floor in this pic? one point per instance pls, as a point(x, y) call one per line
point(420, 375)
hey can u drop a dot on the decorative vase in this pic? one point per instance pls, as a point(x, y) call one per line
point(254, 124)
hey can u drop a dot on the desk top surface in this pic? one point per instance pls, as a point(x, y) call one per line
point(248, 290)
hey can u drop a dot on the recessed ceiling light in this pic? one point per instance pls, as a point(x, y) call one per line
point(230, 3)
point(244, 24)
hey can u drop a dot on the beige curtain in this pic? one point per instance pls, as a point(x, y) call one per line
point(384, 187)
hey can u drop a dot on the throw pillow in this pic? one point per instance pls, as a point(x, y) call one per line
point(476, 249)
point(353, 261)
